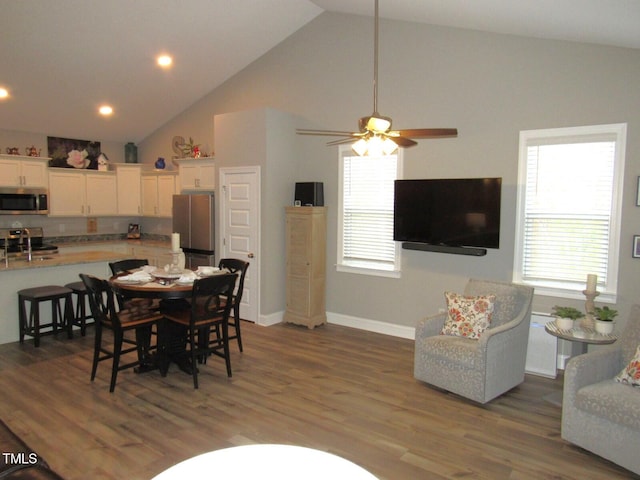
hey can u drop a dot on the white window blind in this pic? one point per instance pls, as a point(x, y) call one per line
point(366, 211)
point(568, 217)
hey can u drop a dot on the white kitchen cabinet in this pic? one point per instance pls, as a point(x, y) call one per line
point(196, 174)
point(19, 171)
point(81, 193)
point(102, 194)
point(154, 255)
point(157, 194)
point(128, 178)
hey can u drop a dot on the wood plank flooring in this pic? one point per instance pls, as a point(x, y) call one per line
point(345, 391)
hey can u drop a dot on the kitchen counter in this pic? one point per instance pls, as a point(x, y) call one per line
point(74, 257)
point(58, 269)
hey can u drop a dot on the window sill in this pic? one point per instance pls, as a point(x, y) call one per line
point(603, 297)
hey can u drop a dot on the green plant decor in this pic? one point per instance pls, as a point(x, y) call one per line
point(605, 313)
point(567, 312)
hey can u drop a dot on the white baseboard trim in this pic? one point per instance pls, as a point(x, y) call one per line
point(375, 326)
point(271, 319)
point(562, 361)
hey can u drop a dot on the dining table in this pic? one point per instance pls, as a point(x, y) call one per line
point(173, 293)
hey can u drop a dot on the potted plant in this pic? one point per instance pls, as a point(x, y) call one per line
point(565, 316)
point(604, 319)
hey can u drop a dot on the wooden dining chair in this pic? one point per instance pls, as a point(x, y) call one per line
point(103, 308)
point(207, 310)
point(124, 266)
point(235, 265)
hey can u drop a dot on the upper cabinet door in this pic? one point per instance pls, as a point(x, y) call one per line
point(196, 174)
point(23, 172)
point(101, 194)
point(129, 190)
point(66, 193)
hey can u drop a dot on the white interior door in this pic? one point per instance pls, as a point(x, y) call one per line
point(240, 229)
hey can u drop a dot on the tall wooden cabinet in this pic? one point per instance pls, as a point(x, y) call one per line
point(306, 265)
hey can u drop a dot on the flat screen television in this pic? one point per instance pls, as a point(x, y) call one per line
point(461, 212)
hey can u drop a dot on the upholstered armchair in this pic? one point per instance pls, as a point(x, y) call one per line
point(599, 413)
point(478, 369)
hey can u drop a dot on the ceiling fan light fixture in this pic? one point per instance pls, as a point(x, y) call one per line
point(360, 147)
point(374, 146)
point(389, 146)
point(378, 124)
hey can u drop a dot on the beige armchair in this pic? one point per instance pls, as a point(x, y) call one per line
point(484, 368)
point(600, 414)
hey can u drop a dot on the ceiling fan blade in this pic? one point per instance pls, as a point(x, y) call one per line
point(331, 133)
point(428, 132)
point(403, 142)
point(341, 141)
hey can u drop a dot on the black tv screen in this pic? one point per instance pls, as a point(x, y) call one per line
point(463, 212)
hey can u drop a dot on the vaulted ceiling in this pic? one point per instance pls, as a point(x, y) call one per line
point(61, 60)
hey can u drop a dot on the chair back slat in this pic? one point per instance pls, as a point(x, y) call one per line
point(122, 266)
point(235, 265)
point(205, 300)
point(101, 298)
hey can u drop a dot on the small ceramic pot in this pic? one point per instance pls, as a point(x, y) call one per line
point(564, 323)
point(604, 327)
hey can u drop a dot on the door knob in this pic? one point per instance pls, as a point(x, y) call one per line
point(250, 255)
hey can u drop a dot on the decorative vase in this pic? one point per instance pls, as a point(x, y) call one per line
point(604, 327)
point(160, 163)
point(130, 153)
point(564, 323)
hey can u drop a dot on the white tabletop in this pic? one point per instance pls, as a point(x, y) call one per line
point(282, 462)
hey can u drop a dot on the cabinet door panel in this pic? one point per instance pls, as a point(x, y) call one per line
point(66, 194)
point(10, 173)
point(34, 173)
point(166, 189)
point(101, 194)
point(129, 191)
point(149, 195)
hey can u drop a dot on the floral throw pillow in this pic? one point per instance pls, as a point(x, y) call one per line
point(467, 316)
point(630, 374)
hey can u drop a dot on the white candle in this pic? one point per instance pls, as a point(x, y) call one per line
point(175, 242)
point(592, 281)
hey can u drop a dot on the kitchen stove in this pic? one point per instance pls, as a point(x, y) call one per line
point(15, 240)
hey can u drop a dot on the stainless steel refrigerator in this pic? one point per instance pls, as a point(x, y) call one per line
point(193, 219)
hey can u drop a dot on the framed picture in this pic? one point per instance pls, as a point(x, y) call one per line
point(71, 153)
point(638, 194)
point(134, 231)
point(636, 246)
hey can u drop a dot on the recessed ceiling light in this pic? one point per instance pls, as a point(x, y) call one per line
point(4, 93)
point(105, 110)
point(165, 61)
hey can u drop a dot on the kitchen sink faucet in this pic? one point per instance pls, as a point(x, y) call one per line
point(21, 241)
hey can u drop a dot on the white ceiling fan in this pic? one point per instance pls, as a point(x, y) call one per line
point(374, 135)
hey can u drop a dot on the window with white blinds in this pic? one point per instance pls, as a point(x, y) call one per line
point(569, 198)
point(365, 223)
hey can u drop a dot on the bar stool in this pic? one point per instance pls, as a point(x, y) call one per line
point(30, 324)
point(80, 317)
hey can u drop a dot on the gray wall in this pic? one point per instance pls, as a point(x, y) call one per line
point(489, 86)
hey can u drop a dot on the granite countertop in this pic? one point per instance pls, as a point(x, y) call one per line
point(84, 240)
point(60, 259)
point(42, 260)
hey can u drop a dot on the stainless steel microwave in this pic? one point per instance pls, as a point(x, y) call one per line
point(23, 201)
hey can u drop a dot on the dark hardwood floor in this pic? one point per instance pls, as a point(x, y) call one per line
point(341, 390)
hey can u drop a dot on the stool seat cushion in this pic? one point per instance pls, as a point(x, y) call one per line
point(47, 291)
point(76, 286)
